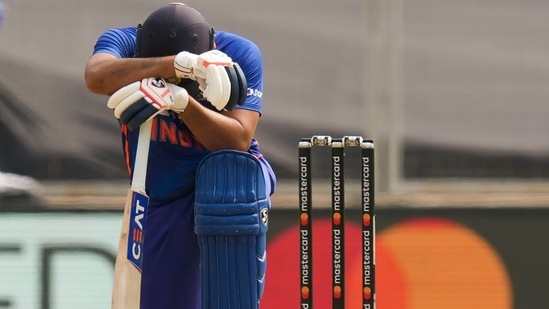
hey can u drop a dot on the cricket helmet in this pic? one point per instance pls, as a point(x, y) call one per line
point(171, 29)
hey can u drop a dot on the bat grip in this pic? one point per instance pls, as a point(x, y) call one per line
point(141, 157)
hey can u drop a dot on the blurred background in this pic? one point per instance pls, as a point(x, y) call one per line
point(452, 92)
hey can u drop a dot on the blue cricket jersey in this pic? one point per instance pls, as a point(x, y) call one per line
point(174, 153)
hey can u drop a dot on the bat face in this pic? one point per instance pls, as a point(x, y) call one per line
point(138, 219)
point(129, 260)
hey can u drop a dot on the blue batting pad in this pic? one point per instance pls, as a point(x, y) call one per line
point(231, 204)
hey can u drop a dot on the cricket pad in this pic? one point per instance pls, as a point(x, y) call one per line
point(231, 206)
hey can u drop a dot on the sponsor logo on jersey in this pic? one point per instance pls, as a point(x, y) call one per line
point(255, 93)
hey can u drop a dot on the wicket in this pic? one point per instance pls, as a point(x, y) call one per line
point(338, 219)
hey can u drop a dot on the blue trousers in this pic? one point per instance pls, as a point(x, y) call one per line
point(171, 275)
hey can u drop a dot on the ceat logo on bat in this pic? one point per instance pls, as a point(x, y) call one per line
point(138, 220)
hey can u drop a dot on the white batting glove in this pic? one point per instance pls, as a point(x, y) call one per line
point(181, 98)
point(220, 79)
point(138, 102)
point(184, 65)
point(212, 77)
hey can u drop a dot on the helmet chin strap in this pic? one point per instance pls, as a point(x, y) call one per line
point(137, 36)
point(212, 39)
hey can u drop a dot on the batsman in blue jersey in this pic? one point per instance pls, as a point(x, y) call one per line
point(208, 183)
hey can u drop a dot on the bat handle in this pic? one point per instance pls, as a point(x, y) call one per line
point(141, 157)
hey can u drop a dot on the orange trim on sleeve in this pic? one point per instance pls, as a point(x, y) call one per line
point(127, 156)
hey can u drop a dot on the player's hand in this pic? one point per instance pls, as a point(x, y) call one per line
point(184, 65)
point(220, 79)
point(138, 102)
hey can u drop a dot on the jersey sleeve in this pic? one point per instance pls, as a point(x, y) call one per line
point(119, 42)
point(248, 55)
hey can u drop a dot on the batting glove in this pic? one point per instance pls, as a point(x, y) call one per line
point(184, 65)
point(138, 102)
point(220, 79)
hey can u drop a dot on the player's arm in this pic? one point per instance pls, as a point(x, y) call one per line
point(217, 131)
point(139, 101)
point(230, 128)
point(105, 73)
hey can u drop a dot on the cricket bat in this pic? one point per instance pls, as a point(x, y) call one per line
point(127, 271)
